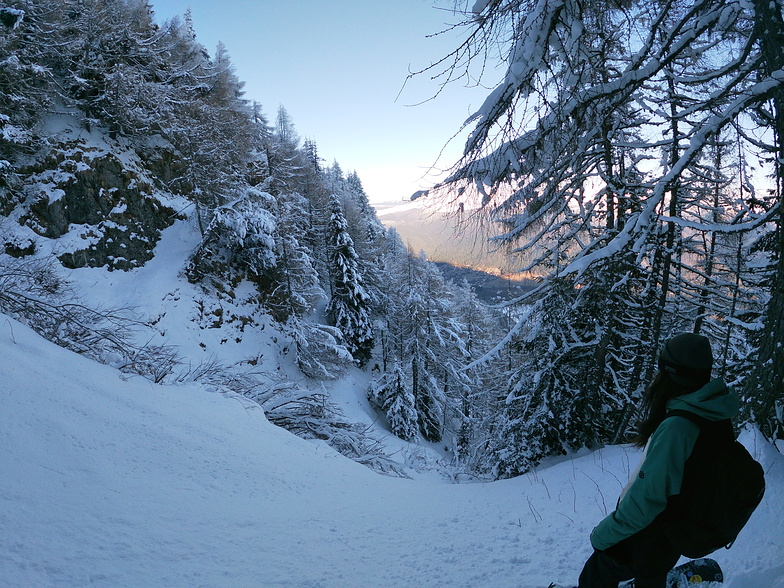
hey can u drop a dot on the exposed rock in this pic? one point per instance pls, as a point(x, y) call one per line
point(109, 203)
point(165, 165)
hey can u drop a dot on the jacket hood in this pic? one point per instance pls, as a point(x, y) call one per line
point(714, 401)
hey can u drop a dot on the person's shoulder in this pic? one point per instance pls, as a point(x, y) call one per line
point(680, 421)
point(674, 427)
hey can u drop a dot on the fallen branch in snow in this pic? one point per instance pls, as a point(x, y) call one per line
point(32, 291)
point(311, 416)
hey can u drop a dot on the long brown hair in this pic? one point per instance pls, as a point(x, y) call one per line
point(654, 404)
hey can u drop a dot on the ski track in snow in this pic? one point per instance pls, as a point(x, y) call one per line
point(110, 481)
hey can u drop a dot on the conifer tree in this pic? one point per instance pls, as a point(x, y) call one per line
point(391, 393)
point(764, 385)
point(302, 290)
point(348, 306)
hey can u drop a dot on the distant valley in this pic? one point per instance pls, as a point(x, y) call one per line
point(489, 288)
point(460, 248)
point(446, 237)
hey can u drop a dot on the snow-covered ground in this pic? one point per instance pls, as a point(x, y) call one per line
point(111, 480)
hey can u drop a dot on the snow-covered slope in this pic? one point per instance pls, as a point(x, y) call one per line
point(199, 326)
point(111, 481)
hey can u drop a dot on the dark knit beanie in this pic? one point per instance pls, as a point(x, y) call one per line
point(688, 359)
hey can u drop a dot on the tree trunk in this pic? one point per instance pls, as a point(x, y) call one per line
point(669, 246)
point(764, 384)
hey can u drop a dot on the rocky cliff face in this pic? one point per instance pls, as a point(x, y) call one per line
point(103, 199)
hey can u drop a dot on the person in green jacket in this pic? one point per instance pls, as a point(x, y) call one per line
point(630, 542)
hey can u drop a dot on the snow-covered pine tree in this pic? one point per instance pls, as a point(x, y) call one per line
point(23, 73)
point(473, 398)
point(217, 134)
point(365, 229)
point(391, 393)
point(429, 399)
point(538, 416)
point(298, 170)
point(422, 342)
point(296, 266)
point(430, 342)
point(348, 308)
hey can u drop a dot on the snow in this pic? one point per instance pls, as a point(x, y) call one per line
point(115, 481)
point(14, 134)
point(112, 480)
point(479, 6)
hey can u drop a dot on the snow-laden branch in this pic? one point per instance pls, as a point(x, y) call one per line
point(640, 225)
point(723, 228)
point(521, 73)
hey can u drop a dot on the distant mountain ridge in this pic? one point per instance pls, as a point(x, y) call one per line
point(460, 241)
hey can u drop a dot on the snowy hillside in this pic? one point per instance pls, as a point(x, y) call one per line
point(114, 481)
point(217, 281)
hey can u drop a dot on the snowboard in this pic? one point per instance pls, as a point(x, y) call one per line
point(691, 573)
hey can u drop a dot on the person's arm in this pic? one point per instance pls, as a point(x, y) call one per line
point(659, 478)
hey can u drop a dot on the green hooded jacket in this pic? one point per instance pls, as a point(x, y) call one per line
point(661, 471)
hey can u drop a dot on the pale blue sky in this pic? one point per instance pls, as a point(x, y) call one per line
point(338, 67)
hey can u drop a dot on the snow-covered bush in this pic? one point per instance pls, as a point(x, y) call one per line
point(247, 231)
point(321, 353)
point(310, 415)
